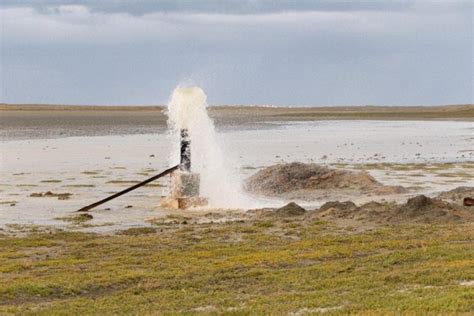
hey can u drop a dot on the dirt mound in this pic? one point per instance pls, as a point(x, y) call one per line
point(419, 209)
point(290, 209)
point(345, 206)
point(286, 179)
point(373, 212)
point(422, 209)
point(457, 195)
point(336, 208)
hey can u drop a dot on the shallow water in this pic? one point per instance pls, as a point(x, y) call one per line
point(356, 142)
point(92, 167)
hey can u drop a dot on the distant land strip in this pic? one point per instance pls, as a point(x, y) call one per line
point(449, 112)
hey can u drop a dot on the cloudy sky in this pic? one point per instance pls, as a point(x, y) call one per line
point(319, 52)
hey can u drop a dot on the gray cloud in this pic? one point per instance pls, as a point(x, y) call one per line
point(140, 7)
point(314, 52)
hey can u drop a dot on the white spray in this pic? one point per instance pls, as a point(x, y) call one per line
point(187, 109)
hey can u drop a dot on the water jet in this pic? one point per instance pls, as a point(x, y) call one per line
point(184, 184)
point(189, 121)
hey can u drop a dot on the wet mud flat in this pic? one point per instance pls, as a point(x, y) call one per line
point(46, 179)
point(50, 199)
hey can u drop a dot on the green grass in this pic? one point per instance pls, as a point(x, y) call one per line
point(274, 266)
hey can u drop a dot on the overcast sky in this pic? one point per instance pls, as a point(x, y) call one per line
point(320, 52)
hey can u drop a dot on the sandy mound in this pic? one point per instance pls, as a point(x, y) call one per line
point(299, 180)
point(336, 208)
point(419, 209)
point(457, 195)
point(291, 209)
point(422, 209)
point(371, 212)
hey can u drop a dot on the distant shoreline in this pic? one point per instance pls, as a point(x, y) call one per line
point(50, 121)
point(351, 108)
point(235, 113)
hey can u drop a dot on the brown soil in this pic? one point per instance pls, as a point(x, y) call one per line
point(457, 195)
point(291, 209)
point(299, 180)
point(419, 209)
point(425, 210)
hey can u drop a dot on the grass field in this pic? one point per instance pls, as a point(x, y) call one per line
point(259, 266)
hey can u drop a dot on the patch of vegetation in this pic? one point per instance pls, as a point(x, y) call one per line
point(79, 185)
point(51, 181)
point(403, 167)
point(123, 181)
point(135, 231)
point(149, 170)
point(248, 168)
point(92, 172)
point(25, 228)
point(76, 219)
point(8, 202)
point(154, 185)
point(244, 267)
point(454, 175)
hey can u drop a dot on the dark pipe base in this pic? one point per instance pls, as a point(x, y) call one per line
point(185, 164)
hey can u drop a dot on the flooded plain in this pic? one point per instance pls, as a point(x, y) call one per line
point(426, 156)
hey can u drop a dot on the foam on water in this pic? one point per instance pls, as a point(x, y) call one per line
point(219, 183)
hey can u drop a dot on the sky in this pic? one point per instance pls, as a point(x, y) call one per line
point(283, 53)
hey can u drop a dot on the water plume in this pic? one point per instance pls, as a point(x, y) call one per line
point(187, 109)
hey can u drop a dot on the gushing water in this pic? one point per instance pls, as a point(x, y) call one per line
point(219, 183)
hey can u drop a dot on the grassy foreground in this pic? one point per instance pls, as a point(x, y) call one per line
point(271, 266)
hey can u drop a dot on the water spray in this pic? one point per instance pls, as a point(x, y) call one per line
point(200, 152)
point(209, 172)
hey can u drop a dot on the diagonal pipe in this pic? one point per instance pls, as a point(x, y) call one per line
point(164, 173)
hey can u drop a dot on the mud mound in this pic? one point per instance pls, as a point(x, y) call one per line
point(291, 209)
point(373, 212)
point(419, 209)
point(284, 179)
point(345, 206)
point(457, 195)
point(422, 209)
point(337, 209)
